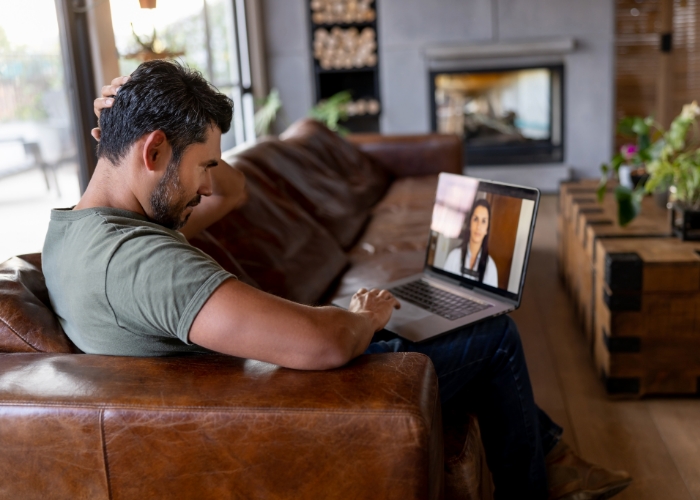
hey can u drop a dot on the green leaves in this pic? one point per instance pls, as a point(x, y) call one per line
point(267, 111)
point(629, 203)
point(602, 187)
point(333, 110)
point(671, 158)
point(636, 126)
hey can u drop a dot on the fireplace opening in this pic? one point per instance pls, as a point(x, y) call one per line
point(506, 116)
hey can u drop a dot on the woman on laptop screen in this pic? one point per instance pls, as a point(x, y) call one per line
point(472, 259)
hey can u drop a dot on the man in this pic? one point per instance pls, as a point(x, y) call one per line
point(124, 281)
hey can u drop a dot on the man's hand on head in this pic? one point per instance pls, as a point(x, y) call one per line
point(106, 100)
point(228, 184)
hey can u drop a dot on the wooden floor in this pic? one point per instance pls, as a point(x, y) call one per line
point(655, 440)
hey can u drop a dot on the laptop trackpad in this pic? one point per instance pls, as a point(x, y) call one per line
point(407, 314)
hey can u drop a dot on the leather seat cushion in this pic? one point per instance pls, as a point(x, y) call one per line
point(27, 322)
point(394, 243)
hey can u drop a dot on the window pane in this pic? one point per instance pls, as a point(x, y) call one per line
point(38, 164)
point(178, 26)
point(200, 33)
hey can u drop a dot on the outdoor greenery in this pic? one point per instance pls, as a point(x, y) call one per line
point(26, 78)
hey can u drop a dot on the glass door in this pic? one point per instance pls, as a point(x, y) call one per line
point(38, 162)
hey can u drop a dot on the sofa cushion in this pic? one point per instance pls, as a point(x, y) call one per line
point(27, 322)
point(393, 245)
point(278, 245)
point(213, 247)
point(327, 176)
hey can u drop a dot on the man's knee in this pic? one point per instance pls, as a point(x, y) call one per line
point(510, 336)
point(500, 333)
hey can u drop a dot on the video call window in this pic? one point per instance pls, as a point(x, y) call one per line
point(480, 233)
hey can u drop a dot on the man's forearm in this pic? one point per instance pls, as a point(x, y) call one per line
point(351, 331)
point(226, 180)
point(228, 192)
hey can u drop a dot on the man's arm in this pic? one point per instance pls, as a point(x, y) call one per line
point(228, 192)
point(242, 321)
point(228, 183)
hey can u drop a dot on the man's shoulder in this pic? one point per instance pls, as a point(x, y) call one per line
point(97, 238)
point(106, 220)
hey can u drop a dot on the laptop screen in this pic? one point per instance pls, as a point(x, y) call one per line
point(481, 233)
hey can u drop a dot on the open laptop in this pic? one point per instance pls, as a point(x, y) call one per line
point(478, 249)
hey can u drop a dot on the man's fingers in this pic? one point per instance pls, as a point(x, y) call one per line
point(108, 92)
point(113, 88)
point(119, 81)
point(101, 103)
point(397, 304)
point(361, 290)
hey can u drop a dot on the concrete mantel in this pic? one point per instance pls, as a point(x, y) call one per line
point(524, 48)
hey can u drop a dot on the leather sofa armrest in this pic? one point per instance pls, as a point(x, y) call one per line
point(86, 426)
point(413, 155)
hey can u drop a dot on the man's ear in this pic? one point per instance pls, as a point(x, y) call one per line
point(156, 151)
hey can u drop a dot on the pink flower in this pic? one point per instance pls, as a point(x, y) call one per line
point(628, 151)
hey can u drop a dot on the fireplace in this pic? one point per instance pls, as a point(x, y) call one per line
point(505, 116)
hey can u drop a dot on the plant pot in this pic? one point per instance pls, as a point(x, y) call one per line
point(639, 177)
point(685, 223)
point(661, 198)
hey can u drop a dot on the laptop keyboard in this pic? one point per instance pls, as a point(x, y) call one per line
point(437, 301)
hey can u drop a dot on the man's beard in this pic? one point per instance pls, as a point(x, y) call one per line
point(168, 200)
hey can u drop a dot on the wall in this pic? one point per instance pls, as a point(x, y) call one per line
point(406, 27)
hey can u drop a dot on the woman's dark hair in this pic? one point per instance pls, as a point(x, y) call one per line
point(162, 95)
point(466, 235)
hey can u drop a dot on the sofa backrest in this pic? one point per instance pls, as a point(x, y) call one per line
point(310, 195)
point(334, 174)
point(27, 322)
point(412, 155)
point(281, 247)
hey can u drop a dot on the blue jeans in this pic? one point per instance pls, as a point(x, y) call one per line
point(485, 363)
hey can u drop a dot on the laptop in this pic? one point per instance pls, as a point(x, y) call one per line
point(478, 249)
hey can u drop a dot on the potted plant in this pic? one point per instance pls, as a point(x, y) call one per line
point(671, 158)
point(333, 110)
point(677, 164)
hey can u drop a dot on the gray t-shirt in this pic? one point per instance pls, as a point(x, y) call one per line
point(122, 285)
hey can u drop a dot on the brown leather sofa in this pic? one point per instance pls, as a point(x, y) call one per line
point(323, 217)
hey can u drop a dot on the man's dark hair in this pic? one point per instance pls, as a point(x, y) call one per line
point(162, 95)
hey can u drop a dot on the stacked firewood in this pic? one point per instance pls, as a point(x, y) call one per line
point(345, 48)
point(342, 11)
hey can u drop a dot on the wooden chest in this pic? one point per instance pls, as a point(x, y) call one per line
point(636, 290)
point(583, 221)
point(647, 315)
